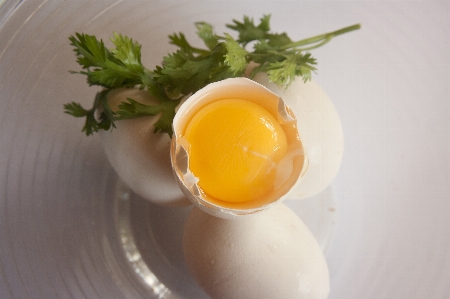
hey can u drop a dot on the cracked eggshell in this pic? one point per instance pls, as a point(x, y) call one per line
point(289, 170)
point(271, 254)
point(320, 130)
point(140, 157)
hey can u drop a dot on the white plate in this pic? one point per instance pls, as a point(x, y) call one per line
point(65, 227)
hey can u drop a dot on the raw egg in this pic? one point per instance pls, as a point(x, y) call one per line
point(236, 148)
point(271, 254)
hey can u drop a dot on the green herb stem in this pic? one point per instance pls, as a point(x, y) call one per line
point(320, 39)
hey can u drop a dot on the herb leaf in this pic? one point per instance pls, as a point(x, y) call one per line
point(188, 69)
point(205, 32)
point(236, 57)
point(92, 124)
point(248, 31)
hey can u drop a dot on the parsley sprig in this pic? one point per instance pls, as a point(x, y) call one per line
point(188, 69)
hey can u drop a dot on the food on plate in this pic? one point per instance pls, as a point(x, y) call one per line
point(181, 74)
point(271, 254)
point(195, 128)
point(236, 148)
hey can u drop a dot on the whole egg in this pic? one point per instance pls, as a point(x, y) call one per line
point(140, 157)
point(320, 130)
point(270, 254)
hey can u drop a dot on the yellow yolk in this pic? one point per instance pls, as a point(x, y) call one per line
point(235, 146)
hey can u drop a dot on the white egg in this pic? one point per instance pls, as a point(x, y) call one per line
point(140, 157)
point(271, 254)
point(320, 130)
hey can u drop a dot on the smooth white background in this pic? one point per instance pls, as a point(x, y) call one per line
point(390, 82)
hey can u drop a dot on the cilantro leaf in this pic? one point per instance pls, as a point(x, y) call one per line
point(127, 52)
point(236, 57)
point(103, 67)
point(205, 32)
point(181, 41)
point(75, 109)
point(120, 66)
point(166, 109)
point(92, 124)
point(133, 109)
point(182, 73)
point(248, 31)
point(188, 69)
point(278, 39)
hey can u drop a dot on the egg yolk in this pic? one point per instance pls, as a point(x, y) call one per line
point(235, 146)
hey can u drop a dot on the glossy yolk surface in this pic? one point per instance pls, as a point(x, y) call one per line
point(234, 148)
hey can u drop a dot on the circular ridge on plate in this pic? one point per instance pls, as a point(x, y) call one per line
point(389, 81)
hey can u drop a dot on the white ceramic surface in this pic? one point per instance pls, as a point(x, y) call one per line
point(61, 235)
